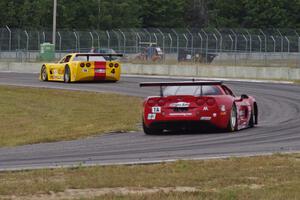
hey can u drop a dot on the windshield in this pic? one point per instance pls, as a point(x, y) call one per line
point(207, 90)
point(89, 58)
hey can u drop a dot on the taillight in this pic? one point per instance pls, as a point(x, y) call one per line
point(111, 65)
point(116, 65)
point(210, 101)
point(161, 102)
point(151, 102)
point(81, 64)
point(88, 64)
point(200, 102)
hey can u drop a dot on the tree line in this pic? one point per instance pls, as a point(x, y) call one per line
point(112, 14)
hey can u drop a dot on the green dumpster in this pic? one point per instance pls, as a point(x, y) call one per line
point(47, 51)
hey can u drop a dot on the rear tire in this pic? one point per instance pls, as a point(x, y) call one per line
point(44, 73)
point(150, 131)
point(232, 123)
point(67, 75)
point(254, 116)
point(251, 121)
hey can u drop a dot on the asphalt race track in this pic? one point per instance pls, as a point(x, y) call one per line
point(278, 131)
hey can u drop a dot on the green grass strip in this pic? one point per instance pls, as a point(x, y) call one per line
point(261, 177)
point(31, 115)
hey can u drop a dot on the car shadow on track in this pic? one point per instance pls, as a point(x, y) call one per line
point(206, 131)
point(96, 81)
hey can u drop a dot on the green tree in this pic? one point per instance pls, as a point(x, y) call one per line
point(120, 14)
point(254, 13)
point(82, 14)
point(10, 16)
point(226, 13)
point(163, 13)
point(196, 13)
point(269, 13)
point(110, 14)
point(23, 14)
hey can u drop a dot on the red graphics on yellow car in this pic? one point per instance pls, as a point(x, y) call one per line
point(83, 67)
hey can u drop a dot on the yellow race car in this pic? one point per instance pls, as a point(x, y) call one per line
point(83, 67)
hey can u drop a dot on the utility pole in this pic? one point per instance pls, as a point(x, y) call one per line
point(99, 13)
point(54, 22)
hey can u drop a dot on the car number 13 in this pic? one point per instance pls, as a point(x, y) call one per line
point(156, 109)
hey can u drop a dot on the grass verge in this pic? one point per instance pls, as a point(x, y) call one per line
point(297, 81)
point(31, 115)
point(261, 177)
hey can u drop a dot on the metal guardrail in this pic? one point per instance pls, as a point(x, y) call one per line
point(199, 45)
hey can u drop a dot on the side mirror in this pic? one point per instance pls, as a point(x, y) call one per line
point(244, 96)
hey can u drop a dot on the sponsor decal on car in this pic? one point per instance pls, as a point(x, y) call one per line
point(223, 108)
point(205, 108)
point(181, 114)
point(205, 118)
point(151, 116)
point(242, 113)
point(223, 113)
point(180, 105)
point(245, 104)
point(100, 70)
point(55, 77)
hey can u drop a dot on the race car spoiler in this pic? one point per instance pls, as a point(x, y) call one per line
point(181, 83)
point(100, 54)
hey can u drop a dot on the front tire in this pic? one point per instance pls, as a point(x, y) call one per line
point(151, 131)
point(44, 73)
point(67, 75)
point(233, 122)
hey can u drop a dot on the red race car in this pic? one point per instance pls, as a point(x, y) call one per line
point(197, 105)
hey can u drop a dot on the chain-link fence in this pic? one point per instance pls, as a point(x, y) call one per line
point(255, 47)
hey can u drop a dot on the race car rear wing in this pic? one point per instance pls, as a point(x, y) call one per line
point(100, 54)
point(105, 55)
point(181, 83)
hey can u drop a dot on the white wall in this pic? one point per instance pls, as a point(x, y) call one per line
point(283, 73)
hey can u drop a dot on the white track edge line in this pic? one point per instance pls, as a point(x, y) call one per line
point(63, 166)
